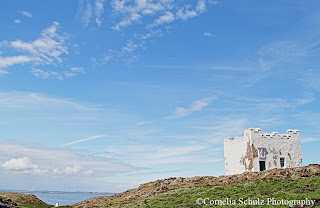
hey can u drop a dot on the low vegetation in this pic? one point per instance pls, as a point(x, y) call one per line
point(287, 184)
point(250, 192)
point(19, 200)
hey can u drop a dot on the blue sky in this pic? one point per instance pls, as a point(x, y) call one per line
point(102, 95)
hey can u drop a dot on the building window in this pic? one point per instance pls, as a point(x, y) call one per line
point(262, 153)
point(282, 162)
point(262, 165)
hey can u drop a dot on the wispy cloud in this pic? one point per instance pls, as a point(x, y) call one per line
point(162, 11)
point(30, 100)
point(85, 12)
point(208, 34)
point(185, 14)
point(310, 139)
point(201, 6)
point(152, 17)
point(74, 71)
point(311, 79)
point(17, 21)
point(127, 21)
point(83, 140)
point(282, 51)
point(12, 60)
point(272, 56)
point(149, 155)
point(90, 11)
point(45, 74)
point(196, 105)
point(176, 151)
point(166, 18)
point(3, 73)
point(203, 67)
point(25, 13)
point(47, 49)
point(99, 11)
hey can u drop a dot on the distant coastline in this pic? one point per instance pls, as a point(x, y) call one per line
point(56, 192)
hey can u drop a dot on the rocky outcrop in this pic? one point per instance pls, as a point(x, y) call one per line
point(20, 200)
point(162, 186)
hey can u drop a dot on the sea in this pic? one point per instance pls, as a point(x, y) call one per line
point(61, 197)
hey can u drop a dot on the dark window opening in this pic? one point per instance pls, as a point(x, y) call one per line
point(282, 162)
point(262, 165)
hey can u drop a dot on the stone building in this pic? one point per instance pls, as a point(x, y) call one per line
point(256, 151)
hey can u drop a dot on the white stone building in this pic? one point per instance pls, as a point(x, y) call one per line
point(257, 151)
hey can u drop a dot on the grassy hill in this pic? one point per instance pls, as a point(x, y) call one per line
point(21, 200)
point(287, 184)
point(18, 200)
point(250, 188)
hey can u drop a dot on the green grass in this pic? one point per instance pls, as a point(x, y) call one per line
point(279, 189)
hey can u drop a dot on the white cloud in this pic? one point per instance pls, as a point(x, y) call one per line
point(88, 10)
point(19, 164)
point(85, 12)
point(162, 11)
point(46, 74)
point(149, 14)
point(54, 161)
point(127, 21)
point(83, 140)
point(3, 73)
point(208, 34)
point(99, 11)
point(88, 172)
point(12, 60)
point(166, 18)
point(196, 105)
point(47, 49)
point(130, 46)
point(23, 165)
point(72, 170)
point(186, 14)
point(17, 21)
point(74, 71)
point(25, 13)
point(201, 6)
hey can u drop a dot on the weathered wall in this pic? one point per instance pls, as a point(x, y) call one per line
point(234, 151)
point(244, 153)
